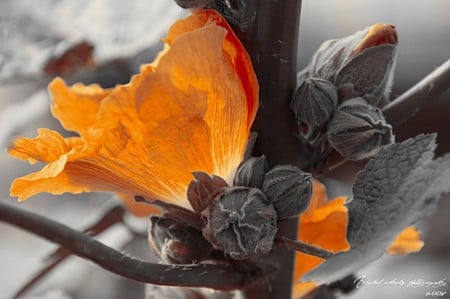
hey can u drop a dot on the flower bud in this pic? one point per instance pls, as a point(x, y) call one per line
point(359, 65)
point(251, 173)
point(241, 222)
point(289, 189)
point(175, 243)
point(358, 130)
point(313, 103)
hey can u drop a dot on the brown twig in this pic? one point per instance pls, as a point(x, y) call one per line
point(303, 247)
point(411, 101)
point(199, 275)
point(112, 216)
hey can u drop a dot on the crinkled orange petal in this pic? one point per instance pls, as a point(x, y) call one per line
point(48, 146)
point(408, 241)
point(190, 111)
point(76, 107)
point(324, 225)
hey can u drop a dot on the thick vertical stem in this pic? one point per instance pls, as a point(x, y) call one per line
point(269, 31)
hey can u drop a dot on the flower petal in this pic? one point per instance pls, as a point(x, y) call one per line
point(408, 241)
point(76, 107)
point(191, 110)
point(324, 225)
point(47, 147)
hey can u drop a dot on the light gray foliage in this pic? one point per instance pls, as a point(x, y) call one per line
point(32, 32)
point(398, 187)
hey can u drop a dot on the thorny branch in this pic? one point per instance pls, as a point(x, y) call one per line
point(197, 275)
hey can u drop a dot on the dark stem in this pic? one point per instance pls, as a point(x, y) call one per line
point(269, 31)
point(411, 101)
point(112, 216)
point(303, 247)
point(199, 275)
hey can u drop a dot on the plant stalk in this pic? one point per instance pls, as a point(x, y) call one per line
point(269, 30)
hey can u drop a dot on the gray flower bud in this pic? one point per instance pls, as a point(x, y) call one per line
point(359, 65)
point(251, 173)
point(175, 243)
point(289, 189)
point(313, 103)
point(358, 130)
point(241, 222)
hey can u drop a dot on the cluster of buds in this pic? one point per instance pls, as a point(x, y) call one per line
point(240, 220)
point(339, 95)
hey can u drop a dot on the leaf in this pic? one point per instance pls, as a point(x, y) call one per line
point(398, 187)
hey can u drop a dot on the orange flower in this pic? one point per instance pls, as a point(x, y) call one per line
point(190, 110)
point(324, 225)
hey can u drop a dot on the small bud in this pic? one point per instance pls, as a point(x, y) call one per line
point(358, 130)
point(289, 189)
point(251, 173)
point(175, 243)
point(313, 103)
point(241, 222)
point(359, 65)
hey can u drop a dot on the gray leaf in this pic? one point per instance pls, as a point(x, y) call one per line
point(401, 185)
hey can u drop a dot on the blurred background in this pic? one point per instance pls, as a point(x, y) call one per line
point(105, 41)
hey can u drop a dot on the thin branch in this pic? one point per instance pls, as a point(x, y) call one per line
point(303, 247)
point(112, 216)
point(199, 275)
point(410, 102)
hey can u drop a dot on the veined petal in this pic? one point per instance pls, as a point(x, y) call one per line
point(48, 146)
point(324, 225)
point(190, 110)
point(76, 107)
point(408, 241)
